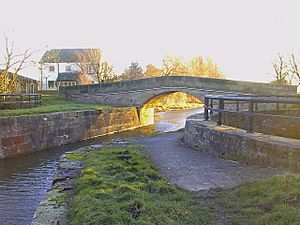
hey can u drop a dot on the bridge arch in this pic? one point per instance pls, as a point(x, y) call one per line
point(151, 101)
point(168, 100)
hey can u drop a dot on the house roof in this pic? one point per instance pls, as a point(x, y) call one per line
point(64, 55)
point(20, 77)
point(68, 76)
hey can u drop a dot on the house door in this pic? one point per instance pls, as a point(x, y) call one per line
point(31, 88)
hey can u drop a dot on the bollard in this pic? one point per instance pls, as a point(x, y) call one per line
point(206, 105)
point(221, 107)
point(250, 117)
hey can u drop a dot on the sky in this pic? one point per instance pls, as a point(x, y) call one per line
point(242, 37)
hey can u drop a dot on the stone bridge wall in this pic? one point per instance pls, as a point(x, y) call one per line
point(139, 92)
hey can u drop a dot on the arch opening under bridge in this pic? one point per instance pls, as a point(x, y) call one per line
point(150, 110)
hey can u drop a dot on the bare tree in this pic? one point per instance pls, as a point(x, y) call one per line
point(83, 79)
point(294, 68)
point(134, 71)
point(281, 71)
point(90, 63)
point(12, 65)
point(169, 67)
point(196, 66)
point(174, 66)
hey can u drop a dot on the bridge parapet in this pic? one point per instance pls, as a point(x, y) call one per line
point(137, 92)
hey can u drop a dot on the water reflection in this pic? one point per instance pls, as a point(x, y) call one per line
point(24, 180)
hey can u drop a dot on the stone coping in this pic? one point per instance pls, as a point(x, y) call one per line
point(230, 142)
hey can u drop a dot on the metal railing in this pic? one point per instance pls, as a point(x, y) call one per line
point(217, 103)
point(20, 100)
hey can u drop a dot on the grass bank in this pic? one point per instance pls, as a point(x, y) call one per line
point(119, 186)
point(273, 201)
point(50, 103)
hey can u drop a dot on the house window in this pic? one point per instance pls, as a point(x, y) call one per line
point(50, 84)
point(51, 68)
point(67, 83)
point(68, 68)
point(90, 69)
point(32, 88)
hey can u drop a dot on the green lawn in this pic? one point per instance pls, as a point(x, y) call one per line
point(273, 201)
point(50, 103)
point(119, 186)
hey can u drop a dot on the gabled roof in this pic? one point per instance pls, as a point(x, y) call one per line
point(64, 55)
point(20, 77)
point(68, 76)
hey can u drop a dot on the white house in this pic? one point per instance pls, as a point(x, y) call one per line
point(60, 67)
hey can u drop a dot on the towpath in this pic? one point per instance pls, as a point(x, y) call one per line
point(195, 171)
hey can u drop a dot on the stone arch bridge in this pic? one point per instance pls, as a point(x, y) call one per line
point(139, 93)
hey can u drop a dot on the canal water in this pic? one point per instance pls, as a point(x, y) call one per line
point(24, 180)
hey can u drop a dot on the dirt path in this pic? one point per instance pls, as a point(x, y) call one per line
point(193, 170)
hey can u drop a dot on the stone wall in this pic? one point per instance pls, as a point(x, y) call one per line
point(182, 81)
point(25, 134)
point(139, 92)
point(19, 105)
point(229, 142)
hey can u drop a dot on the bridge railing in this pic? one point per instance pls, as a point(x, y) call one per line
point(217, 103)
point(15, 101)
